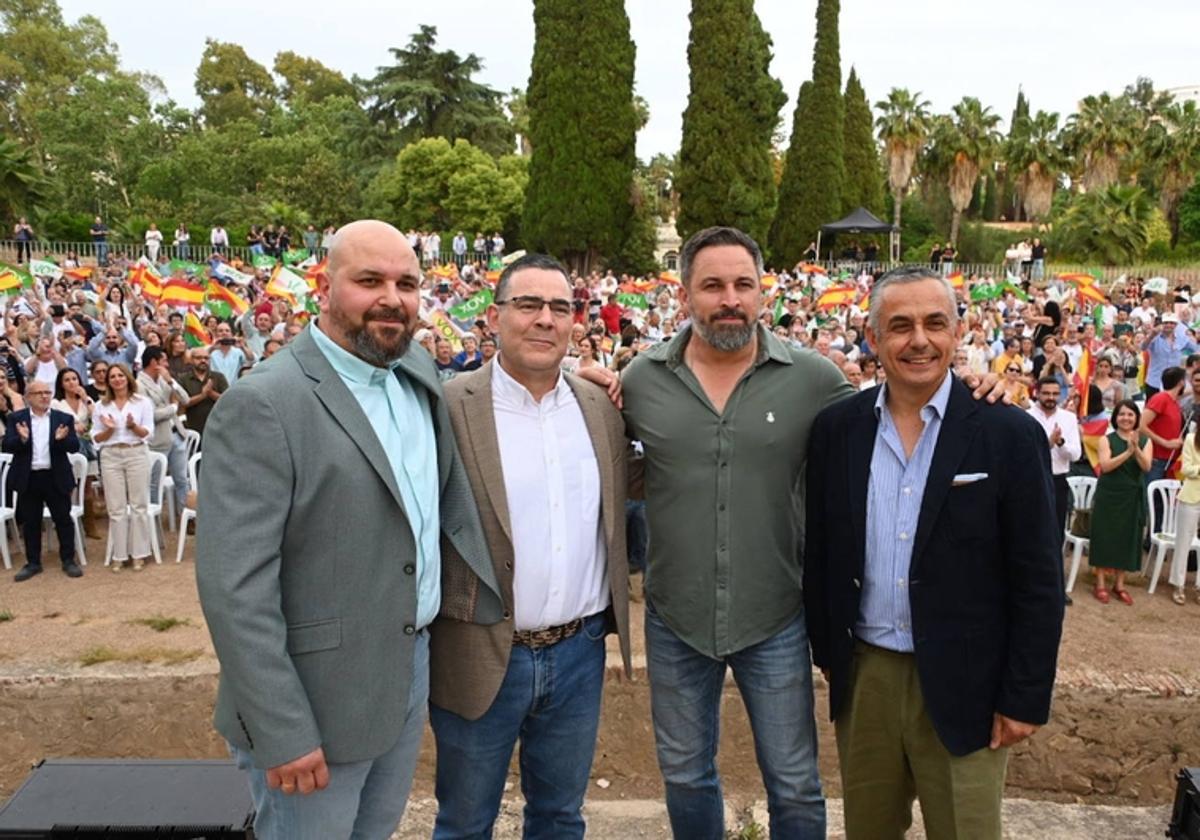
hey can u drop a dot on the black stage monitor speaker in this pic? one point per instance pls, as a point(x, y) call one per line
point(120, 799)
point(1185, 816)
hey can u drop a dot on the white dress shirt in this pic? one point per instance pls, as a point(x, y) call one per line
point(143, 415)
point(1061, 457)
point(552, 483)
point(39, 436)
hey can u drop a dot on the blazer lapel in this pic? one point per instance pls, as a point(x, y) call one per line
point(958, 430)
point(593, 417)
point(344, 408)
point(860, 433)
point(485, 443)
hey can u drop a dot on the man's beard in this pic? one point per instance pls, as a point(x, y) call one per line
point(371, 349)
point(726, 337)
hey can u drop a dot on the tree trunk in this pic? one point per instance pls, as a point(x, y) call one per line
point(955, 221)
point(897, 202)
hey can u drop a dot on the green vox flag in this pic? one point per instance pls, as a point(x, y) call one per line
point(24, 276)
point(633, 300)
point(985, 291)
point(473, 307)
point(311, 305)
point(1098, 316)
point(1016, 290)
point(263, 261)
point(295, 255)
point(778, 310)
point(495, 263)
point(220, 308)
point(186, 267)
point(45, 268)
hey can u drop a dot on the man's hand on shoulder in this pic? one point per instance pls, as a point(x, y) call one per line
point(607, 379)
point(305, 774)
point(990, 386)
point(1006, 731)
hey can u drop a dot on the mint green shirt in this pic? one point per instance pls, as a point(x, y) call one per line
point(399, 413)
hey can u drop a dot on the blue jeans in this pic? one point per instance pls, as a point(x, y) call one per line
point(365, 799)
point(550, 701)
point(775, 681)
point(177, 458)
point(102, 253)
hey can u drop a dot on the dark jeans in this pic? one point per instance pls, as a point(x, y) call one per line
point(42, 492)
point(1062, 499)
point(637, 534)
point(550, 702)
point(24, 246)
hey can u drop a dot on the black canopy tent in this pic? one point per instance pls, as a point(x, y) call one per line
point(863, 220)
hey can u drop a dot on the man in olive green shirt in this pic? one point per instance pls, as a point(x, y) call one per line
point(724, 411)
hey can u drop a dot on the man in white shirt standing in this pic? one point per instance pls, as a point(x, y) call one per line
point(547, 452)
point(1062, 436)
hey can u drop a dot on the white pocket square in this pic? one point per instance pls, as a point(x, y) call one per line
point(967, 478)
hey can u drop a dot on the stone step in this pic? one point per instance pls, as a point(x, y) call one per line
point(646, 818)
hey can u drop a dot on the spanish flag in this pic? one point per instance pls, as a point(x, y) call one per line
point(193, 331)
point(1083, 381)
point(216, 293)
point(809, 268)
point(182, 293)
point(1089, 435)
point(313, 272)
point(1086, 292)
point(1078, 278)
point(10, 283)
point(669, 277)
point(769, 281)
point(492, 277)
point(837, 296)
point(150, 282)
point(956, 279)
point(82, 273)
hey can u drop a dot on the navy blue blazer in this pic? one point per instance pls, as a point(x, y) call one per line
point(985, 584)
point(22, 451)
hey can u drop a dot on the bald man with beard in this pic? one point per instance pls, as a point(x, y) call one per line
point(330, 479)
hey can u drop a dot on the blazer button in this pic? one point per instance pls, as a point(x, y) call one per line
point(507, 615)
point(849, 632)
point(410, 569)
point(508, 565)
point(857, 583)
point(409, 629)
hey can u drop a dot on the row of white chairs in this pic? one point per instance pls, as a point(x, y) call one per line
point(1163, 491)
point(79, 466)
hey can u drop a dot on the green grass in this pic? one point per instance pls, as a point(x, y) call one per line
point(161, 623)
point(146, 656)
point(6, 615)
point(752, 831)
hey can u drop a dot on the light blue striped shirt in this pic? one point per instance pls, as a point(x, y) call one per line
point(399, 413)
point(894, 493)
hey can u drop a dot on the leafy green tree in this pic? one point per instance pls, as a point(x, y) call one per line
point(864, 176)
point(725, 174)
point(810, 192)
point(1100, 137)
point(1035, 161)
point(231, 85)
point(1174, 149)
point(903, 126)
point(1189, 214)
point(308, 80)
point(961, 147)
point(1109, 226)
point(431, 93)
point(25, 190)
point(582, 127)
point(518, 113)
point(1007, 185)
point(636, 254)
point(42, 58)
point(434, 185)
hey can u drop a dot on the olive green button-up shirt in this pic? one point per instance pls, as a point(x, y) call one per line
point(725, 491)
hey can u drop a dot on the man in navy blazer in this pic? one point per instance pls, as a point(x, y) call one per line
point(40, 439)
point(933, 577)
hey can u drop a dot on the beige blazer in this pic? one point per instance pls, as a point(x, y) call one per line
point(469, 657)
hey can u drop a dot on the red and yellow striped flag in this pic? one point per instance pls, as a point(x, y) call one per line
point(194, 332)
point(81, 273)
point(216, 292)
point(10, 283)
point(1087, 291)
point(151, 284)
point(1078, 278)
point(182, 293)
point(837, 296)
point(956, 279)
point(809, 268)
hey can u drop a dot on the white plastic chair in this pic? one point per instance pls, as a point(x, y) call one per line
point(79, 466)
point(188, 514)
point(154, 505)
point(1082, 489)
point(191, 439)
point(1162, 535)
point(7, 514)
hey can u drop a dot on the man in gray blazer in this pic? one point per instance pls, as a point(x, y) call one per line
point(330, 477)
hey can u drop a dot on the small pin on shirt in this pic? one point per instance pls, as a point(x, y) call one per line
point(770, 416)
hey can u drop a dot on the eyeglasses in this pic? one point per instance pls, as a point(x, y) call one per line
point(532, 305)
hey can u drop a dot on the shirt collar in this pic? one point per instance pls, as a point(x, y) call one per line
point(345, 364)
point(506, 389)
point(934, 407)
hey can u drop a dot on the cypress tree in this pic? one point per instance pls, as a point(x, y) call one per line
point(725, 176)
point(864, 177)
point(810, 193)
point(1013, 211)
point(582, 127)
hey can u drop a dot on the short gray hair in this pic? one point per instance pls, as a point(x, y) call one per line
point(899, 277)
point(711, 237)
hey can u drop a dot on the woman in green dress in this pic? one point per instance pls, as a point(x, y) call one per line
point(1119, 504)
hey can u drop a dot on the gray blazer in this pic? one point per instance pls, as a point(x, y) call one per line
point(305, 560)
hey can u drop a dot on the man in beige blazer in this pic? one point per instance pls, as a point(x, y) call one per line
point(546, 455)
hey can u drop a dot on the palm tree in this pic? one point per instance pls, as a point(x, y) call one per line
point(1035, 158)
point(1173, 148)
point(1100, 137)
point(431, 93)
point(1110, 226)
point(903, 127)
point(25, 189)
point(962, 146)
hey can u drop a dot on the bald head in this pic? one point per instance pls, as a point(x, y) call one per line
point(368, 241)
